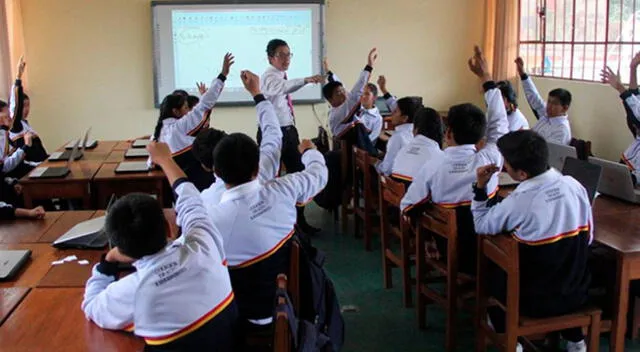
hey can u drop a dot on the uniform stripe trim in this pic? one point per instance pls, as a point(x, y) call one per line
point(266, 254)
point(555, 238)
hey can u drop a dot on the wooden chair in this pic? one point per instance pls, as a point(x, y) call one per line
point(583, 148)
point(294, 276)
point(363, 188)
point(345, 164)
point(440, 222)
point(391, 193)
point(282, 333)
point(503, 251)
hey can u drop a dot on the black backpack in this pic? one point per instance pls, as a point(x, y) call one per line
point(321, 326)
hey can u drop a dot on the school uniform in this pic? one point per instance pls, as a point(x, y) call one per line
point(420, 151)
point(553, 129)
point(402, 136)
point(9, 157)
point(257, 221)
point(372, 121)
point(180, 133)
point(447, 181)
point(20, 127)
point(517, 121)
point(343, 118)
point(550, 216)
point(7, 211)
point(270, 149)
point(177, 299)
point(631, 156)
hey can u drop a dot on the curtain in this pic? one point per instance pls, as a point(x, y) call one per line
point(501, 37)
point(11, 44)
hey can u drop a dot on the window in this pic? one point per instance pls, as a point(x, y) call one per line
point(575, 39)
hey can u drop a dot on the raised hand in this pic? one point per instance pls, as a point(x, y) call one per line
point(28, 138)
point(612, 79)
point(325, 65)
point(160, 153)
point(484, 173)
point(202, 88)
point(478, 64)
point(21, 66)
point(251, 82)
point(227, 63)
point(520, 66)
point(373, 57)
point(305, 144)
point(382, 83)
point(635, 61)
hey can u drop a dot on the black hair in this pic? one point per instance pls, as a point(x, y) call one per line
point(273, 45)
point(236, 159)
point(192, 101)
point(563, 95)
point(467, 123)
point(330, 88)
point(3, 104)
point(170, 102)
point(204, 145)
point(182, 92)
point(525, 150)
point(373, 89)
point(508, 92)
point(408, 107)
point(428, 123)
point(26, 97)
point(136, 225)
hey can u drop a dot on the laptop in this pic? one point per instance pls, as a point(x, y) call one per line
point(87, 234)
point(60, 156)
point(382, 106)
point(616, 181)
point(55, 171)
point(558, 153)
point(136, 153)
point(132, 166)
point(140, 143)
point(586, 173)
point(11, 261)
point(89, 144)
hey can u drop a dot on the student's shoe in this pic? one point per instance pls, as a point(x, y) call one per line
point(576, 346)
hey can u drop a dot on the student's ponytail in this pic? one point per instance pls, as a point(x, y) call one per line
point(170, 102)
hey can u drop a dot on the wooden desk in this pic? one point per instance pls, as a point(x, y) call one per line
point(50, 319)
point(99, 153)
point(65, 222)
point(122, 145)
point(115, 156)
point(27, 230)
point(106, 182)
point(71, 274)
point(9, 300)
point(42, 254)
point(74, 186)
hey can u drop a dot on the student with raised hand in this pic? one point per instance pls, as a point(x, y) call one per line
point(177, 126)
point(389, 99)
point(447, 183)
point(10, 159)
point(553, 121)
point(258, 219)
point(631, 156)
point(20, 105)
point(186, 278)
point(516, 118)
point(424, 149)
point(402, 118)
point(554, 277)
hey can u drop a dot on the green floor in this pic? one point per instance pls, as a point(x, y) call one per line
point(379, 321)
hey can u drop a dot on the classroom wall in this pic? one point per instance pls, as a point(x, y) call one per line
point(90, 61)
point(596, 114)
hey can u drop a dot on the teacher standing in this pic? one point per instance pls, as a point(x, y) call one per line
point(277, 88)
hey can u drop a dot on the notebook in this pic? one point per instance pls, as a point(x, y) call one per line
point(132, 166)
point(60, 156)
point(140, 143)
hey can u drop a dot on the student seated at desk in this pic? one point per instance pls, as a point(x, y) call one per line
point(550, 216)
point(447, 183)
point(553, 121)
point(257, 219)
point(516, 118)
point(425, 148)
point(180, 297)
point(177, 126)
point(203, 147)
point(9, 212)
point(19, 109)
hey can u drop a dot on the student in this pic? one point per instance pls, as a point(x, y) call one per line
point(257, 219)
point(447, 183)
point(553, 122)
point(180, 297)
point(554, 278)
point(631, 156)
point(277, 88)
point(424, 149)
point(516, 118)
point(9, 212)
point(19, 109)
point(177, 126)
point(402, 119)
point(10, 159)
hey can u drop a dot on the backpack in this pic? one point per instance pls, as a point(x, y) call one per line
point(321, 325)
point(331, 195)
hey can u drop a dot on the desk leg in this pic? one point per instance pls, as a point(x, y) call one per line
point(621, 305)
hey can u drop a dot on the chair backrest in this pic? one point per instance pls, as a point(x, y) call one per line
point(583, 148)
point(439, 221)
point(294, 276)
point(360, 159)
point(391, 191)
point(282, 333)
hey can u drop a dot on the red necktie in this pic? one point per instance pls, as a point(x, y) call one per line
point(290, 103)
